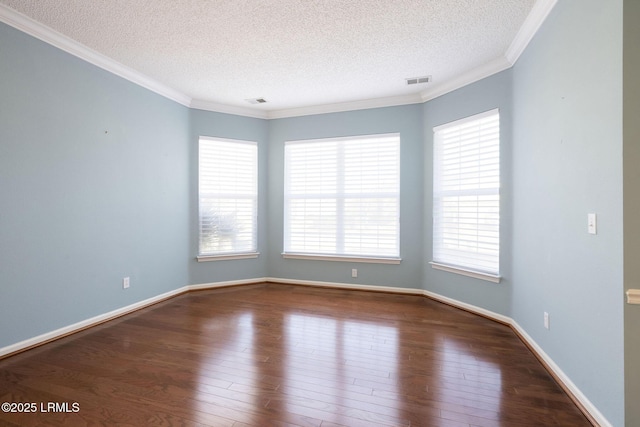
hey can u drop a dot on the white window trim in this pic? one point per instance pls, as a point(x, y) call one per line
point(226, 257)
point(478, 274)
point(229, 255)
point(342, 258)
point(464, 120)
point(464, 272)
point(345, 257)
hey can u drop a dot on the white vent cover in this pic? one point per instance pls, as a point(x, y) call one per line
point(418, 80)
point(256, 101)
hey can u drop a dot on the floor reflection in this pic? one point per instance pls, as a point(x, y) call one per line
point(228, 366)
point(347, 360)
point(288, 355)
point(463, 373)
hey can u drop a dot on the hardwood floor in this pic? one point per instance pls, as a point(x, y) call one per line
point(281, 355)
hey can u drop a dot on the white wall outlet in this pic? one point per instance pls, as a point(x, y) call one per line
point(126, 282)
point(592, 226)
point(546, 320)
point(354, 272)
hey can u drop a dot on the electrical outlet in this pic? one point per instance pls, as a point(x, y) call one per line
point(354, 272)
point(126, 282)
point(546, 320)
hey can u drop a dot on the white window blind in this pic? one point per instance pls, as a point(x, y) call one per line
point(228, 194)
point(466, 194)
point(342, 196)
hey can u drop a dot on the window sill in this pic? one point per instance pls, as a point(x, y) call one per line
point(226, 257)
point(475, 274)
point(370, 260)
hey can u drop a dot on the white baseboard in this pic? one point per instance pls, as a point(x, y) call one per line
point(595, 414)
point(226, 284)
point(96, 320)
point(589, 407)
point(468, 307)
point(70, 329)
point(351, 286)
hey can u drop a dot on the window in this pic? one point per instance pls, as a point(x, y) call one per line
point(228, 194)
point(342, 198)
point(466, 196)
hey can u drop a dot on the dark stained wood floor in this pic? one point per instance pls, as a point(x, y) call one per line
point(281, 355)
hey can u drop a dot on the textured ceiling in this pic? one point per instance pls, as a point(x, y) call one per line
point(293, 53)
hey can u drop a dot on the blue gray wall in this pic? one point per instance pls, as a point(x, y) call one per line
point(561, 141)
point(407, 120)
point(206, 123)
point(98, 181)
point(567, 162)
point(93, 187)
point(487, 94)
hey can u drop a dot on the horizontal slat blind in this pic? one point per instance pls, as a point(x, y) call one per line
point(228, 192)
point(342, 196)
point(466, 193)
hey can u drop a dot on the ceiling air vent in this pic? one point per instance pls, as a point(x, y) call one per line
point(256, 101)
point(418, 80)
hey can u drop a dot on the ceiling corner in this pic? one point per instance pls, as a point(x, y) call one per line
point(486, 70)
point(391, 101)
point(48, 35)
point(199, 104)
point(529, 28)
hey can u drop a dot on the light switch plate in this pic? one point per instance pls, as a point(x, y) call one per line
point(546, 320)
point(592, 226)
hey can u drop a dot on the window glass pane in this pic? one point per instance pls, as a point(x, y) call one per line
point(342, 196)
point(228, 196)
point(466, 193)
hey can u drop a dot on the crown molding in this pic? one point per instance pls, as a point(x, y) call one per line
point(529, 28)
point(465, 79)
point(66, 44)
point(200, 104)
point(534, 20)
point(391, 101)
point(582, 401)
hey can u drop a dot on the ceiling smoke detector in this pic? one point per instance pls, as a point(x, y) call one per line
point(418, 80)
point(256, 100)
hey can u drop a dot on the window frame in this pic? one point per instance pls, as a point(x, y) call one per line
point(290, 252)
point(252, 252)
point(488, 189)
